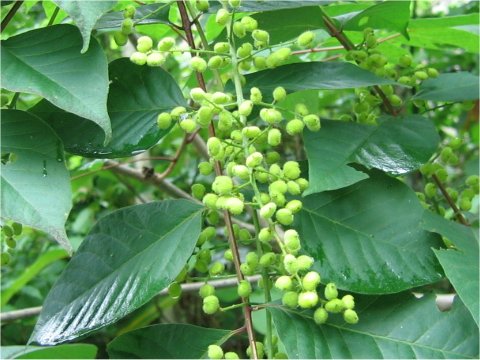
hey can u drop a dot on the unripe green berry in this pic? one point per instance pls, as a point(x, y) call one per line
point(244, 289)
point(311, 280)
point(207, 234)
point(350, 316)
point(290, 299)
point(205, 115)
point(261, 35)
point(129, 12)
point(245, 108)
point(249, 23)
point(144, 44)
point(432, 72)
point(197, 94)
point(120, 38)
point(292, 240)
point(252, 259)
point(293, 188)
point(210, 304)
point(260, 62)
point(267, 259)
point(430, 190)
point(260, 350)
point(5, 258)
point(295, 126)
point(304, 262)
point(231, 355)
point(395, 100)
point(272, 157)
point(166, 43)
point(215, 352)
point(251, 131)
point(406, 80)
point(222, 17)
point(17, 227)
point(271, 116)
point(246, 269)
point(220, 98)
point(234, 3)
point(306, 39)
point(221, 47)
point(201, 266)
point(216, 269)
point(241, 171)
point(215, 62)
point(255, 95)
point(278, 198)
point(11, 243)
point(202, 5)
point(291, 170)
point(312, 122)
point(198, 64)
point(348, 301)
point(331, 291)
point(334, 306)
point(127, 26)
point(177, 112)
point(239, 29)
point(174, 290)
point(198, 191)
point(138, 58)
point(320, 316)
point(155, 59)
point(188, 125)
point(465, 204)
point(307, 299)
point(205, 168)
point(268, 210)
point(283, 53)
point(421, 75)
point(265, 235)
point(254, 160)
point(290, 264)
point(274, 137)
point(294, 206)
point(278, 186)
point(405, 60)
point(279, 93)
point(301, 109)
point(214, 146)
point(303, 183)
point(210, 201)
point(284, 283)
point(244, 50)
point(234, 205)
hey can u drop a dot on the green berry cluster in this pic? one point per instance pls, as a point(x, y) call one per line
point(121, 37)
point(9, 231)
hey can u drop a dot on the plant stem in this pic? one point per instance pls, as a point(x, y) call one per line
point(54, 15)
point(10, 14)
point(218, 172)
point(450, 201)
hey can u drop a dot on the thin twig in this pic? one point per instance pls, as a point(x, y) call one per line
point(450, 201)
point(10, 14)
point(54, 15)
point(186, 288)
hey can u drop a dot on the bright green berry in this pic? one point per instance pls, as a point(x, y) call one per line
point(251, 132)
point(291, 170)
point(244, 288)
point(274, 137)
point(205, 168)
point(215, 352)
point(295, 126)
point(284, 283)
point(271, 116)
point(465, 204)
point(294, 205)
point(430, 190)
point(267, 259)
point(198, 191)
point(334, 306)
point(198, 64)
point(265, 235)
point(222, 17)
point(304, 262)
point(210, 201)
point(405, 60)
point(127, 26)
point(255, 95)
point(129, 12)
point(348, 301)
point(279, 93)
point(210, 304)
point(307, 299)
point(260, 350)
point(155, 59)
point(174, 290)
point(231, 355)
point(244, 50)
point(177, 112)
point(138, 58)
point(188, 125)
point(246, 269)
point(144, 44)
point(268, 210)
point(249, 23)
point(166, 44)
point(331, 291)
point(292, 240)
point(261, 35)
point(239, 29)
point(312, 122)
point(421, 75)
point(234, 3)
point(216, 269)
point(221, 47)
point(293, 188)
point(120, 38)
point(254, 160)
point(290, 299)
point(432, 72)
point(350, 316)
point(245, 108)
point(306, 39)
point(202, 5)
point(311, 280)
point(215, 62)
point(320, 316)
point(290, 264)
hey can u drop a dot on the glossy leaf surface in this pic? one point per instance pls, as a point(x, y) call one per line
point(459, 86)
point(36, 184)
point(69, 351)
point(390, 327)
point(85, 14)
point(461, 264)
point(166, 341)
point(145, 14)
point(311, 75)
point(137, 95)
point(367, 237)
point(127, 258)
point(397, 146)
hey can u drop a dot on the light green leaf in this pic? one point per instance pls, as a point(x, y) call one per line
point(397, 145)
point(461, 265)
point(166, 341)
point(137, 95)
point(367, 237)
point(47, 62)
point(390, 327)
point(70, 351)
point(30, 272)
point(311, 75)
point(459, 86)
point(128, 257)
point(85, 14)
point(36, 185)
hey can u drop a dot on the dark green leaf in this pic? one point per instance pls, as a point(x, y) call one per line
point(166, 341)
point(367, 237)
point(390, 327)
point(47, 62)
point(390, 15)
point(145, 14)
point(128, 257)
point(36, 185)
point(311, 75)
point(397, 145)
point(460, 264)
point(262, 6)
point(85, 14)
point(70, 351)
point(137, 95)
point(459, 86)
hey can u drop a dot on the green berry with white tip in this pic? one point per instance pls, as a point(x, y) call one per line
point(166, 44)
point(245, 108)
point(234, 205)
point(306, 39)
point(335, 306)
point(255, 95)
point(348, 301)
point(331, 291)
point(290, 299)
point(210, 201)
point(211, 304)
point(307, 299)
point(164, 121)
point(350, 316)
point(274, 137)
point(290, 264)
point(291, 170)
point(188, 125)
point(284, 283)
point(312, 122)
point(138, 58)
point(144, 44)
point(279, 93)
point(304, 262)
point(320, 316)
point(222, 17)
point(311, 280)
point(215, 352)
point(198, 64)
point(253, 160)
point(249, 23)
point(267, 210)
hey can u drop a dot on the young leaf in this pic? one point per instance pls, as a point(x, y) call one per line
point(397, 146)
point(128, 257)
point(47, 62)
point(459, 86)
point(311, 75)
point(85, 14)
point(367, 237)
point(461, 264)
point(137, 95)
point(390, 327)
point(69, 351)
point(35, 182)
point(166, 341)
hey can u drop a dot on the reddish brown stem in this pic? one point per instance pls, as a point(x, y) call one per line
point(218, 171)
point(450, 201)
